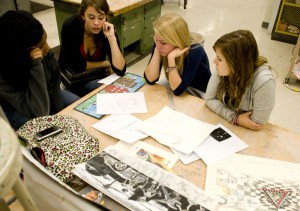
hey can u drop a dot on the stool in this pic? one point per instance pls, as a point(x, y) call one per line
point(11, 164)
point(199, 37)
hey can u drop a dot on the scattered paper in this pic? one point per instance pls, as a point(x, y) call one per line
point(121, 103)
point(176, 130)
point(220, 144)
point(186, 158)
point(121, 126)
point(109, 79)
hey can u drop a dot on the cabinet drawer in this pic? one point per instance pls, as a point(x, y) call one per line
point(132, 33)
point(147, 43)
point(133, 16)
point(152, 9)
point(148, 26)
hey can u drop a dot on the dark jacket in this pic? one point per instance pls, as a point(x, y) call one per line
point(196, 72)
point(41, 96)
point(71, 39)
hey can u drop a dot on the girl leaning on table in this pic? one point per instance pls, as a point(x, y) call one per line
point(182, 56)
point(87, 40)
point(242, 90)
point(29, 73)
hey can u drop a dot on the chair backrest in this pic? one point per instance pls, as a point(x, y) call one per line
point(199, 37)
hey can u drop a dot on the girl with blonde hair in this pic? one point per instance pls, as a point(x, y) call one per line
point(180, 54)
point(243, 88)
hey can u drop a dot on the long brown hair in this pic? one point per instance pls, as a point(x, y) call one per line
point(240, 51)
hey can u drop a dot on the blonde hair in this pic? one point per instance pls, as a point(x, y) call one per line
point(173, 29)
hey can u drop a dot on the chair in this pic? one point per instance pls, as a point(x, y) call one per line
point(11, 164)
point(199, 37)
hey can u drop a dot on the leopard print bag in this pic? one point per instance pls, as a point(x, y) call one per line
point(63, 151)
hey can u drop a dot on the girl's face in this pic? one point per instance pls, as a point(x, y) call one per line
point(93, 20)
point(221, 64)
point(163, 48)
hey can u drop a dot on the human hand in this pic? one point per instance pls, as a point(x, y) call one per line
point(176, 52)
point(245, 121)
point(35, 53)
point(108, 29)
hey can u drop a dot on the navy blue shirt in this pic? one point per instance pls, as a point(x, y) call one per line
point(196, 72)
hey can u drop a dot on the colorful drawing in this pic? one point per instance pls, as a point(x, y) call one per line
point(128, 83)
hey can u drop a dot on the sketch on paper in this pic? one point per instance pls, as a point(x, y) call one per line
point(246, 190)
point(140, 185)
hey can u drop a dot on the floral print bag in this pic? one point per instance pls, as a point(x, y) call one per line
point(59, 153)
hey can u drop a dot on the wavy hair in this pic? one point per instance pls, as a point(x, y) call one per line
point(19, 32)
point(173, 29)
point(240, 51)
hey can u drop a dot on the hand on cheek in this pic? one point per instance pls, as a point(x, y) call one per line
point(36, 53)
point(108, 29)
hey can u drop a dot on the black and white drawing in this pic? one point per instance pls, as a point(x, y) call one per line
point(138, 190)
point(242, 188)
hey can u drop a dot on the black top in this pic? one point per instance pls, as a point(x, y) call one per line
point(71, 39)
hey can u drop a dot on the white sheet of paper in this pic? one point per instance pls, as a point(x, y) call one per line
point(186, 158)
point(109, 79)
point(176, 130)
point(121, 126)
point(121, 103)
point(211, 150)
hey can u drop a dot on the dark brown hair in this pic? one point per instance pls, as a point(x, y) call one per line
point(99, 5)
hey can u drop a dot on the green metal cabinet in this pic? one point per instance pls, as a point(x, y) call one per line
point(63, 10)
point(152, 11)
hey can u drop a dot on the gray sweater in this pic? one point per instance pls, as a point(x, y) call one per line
point(259, 97)
point(42, 95)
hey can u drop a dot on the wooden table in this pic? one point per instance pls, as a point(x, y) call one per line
point(272, 141)
point(117, 7)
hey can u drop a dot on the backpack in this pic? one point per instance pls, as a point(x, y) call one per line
point(61, 152)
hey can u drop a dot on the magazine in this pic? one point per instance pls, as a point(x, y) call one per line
point(91, 194)
point(128, 83)
point(140, 185)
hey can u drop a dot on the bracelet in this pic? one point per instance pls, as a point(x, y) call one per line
point(235, 120)
point(169, 69)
